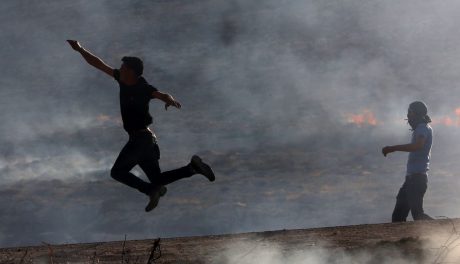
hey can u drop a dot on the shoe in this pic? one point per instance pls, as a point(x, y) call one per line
point(155, 195)
point(202, 168)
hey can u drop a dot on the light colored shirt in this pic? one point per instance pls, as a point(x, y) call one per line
point(418, 160)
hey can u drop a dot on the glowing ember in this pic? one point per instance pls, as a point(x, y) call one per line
point(367, 117)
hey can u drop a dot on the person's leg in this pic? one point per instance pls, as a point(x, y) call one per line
point(401, 210)
point(151, 167)
point(127, 159)
point(415, 192)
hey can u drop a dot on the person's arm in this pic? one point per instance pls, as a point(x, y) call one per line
point(90, 58)
point(167, 98)
point(417, 146)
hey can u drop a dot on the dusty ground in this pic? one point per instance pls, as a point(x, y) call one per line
point(411, 242)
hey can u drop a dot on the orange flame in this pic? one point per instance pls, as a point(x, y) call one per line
point(445, 120)
point(457, 112)
point(103, 118)
point(367, 117)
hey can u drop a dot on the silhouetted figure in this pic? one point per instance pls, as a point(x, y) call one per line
point(142, 148)
point(410, 196)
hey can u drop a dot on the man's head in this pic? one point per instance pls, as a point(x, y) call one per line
point(417, 113)
point(132, 68)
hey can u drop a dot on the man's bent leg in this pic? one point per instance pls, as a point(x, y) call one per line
point(402, 208)
point(171, 176)
point(125, 162)
point(151, 166)
point(156, 177)
point(415, 192)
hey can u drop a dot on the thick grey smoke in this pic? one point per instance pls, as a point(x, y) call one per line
point(267, 88)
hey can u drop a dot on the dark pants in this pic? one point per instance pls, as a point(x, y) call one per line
point(142, 150)
point(410, 198)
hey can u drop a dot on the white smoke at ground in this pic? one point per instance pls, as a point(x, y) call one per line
point(270, 253)
point(443, 246)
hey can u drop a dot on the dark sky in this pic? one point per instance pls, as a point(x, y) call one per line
point(269, 90)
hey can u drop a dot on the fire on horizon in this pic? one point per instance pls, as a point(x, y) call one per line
point(367, 117)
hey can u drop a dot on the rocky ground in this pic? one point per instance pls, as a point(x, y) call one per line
point(411, 242)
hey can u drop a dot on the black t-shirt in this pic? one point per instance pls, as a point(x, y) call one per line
point(134, 103)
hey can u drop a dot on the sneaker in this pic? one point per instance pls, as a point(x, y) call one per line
point(202, 168)
point(155, 195)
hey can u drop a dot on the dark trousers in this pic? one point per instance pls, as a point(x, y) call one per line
point(142, 150)
point(410, 198)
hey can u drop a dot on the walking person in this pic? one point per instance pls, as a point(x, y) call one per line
point(142, 148)
point(410, 196)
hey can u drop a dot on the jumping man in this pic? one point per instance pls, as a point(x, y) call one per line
point(410, 196)
point(142, 148)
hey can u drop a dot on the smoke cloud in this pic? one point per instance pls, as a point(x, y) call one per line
point(272, 95)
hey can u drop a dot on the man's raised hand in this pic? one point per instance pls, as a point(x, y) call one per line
point(75, 45)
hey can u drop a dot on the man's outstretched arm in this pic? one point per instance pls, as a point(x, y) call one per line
point(167, 98)
point(90, 58)
point(417, 146)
